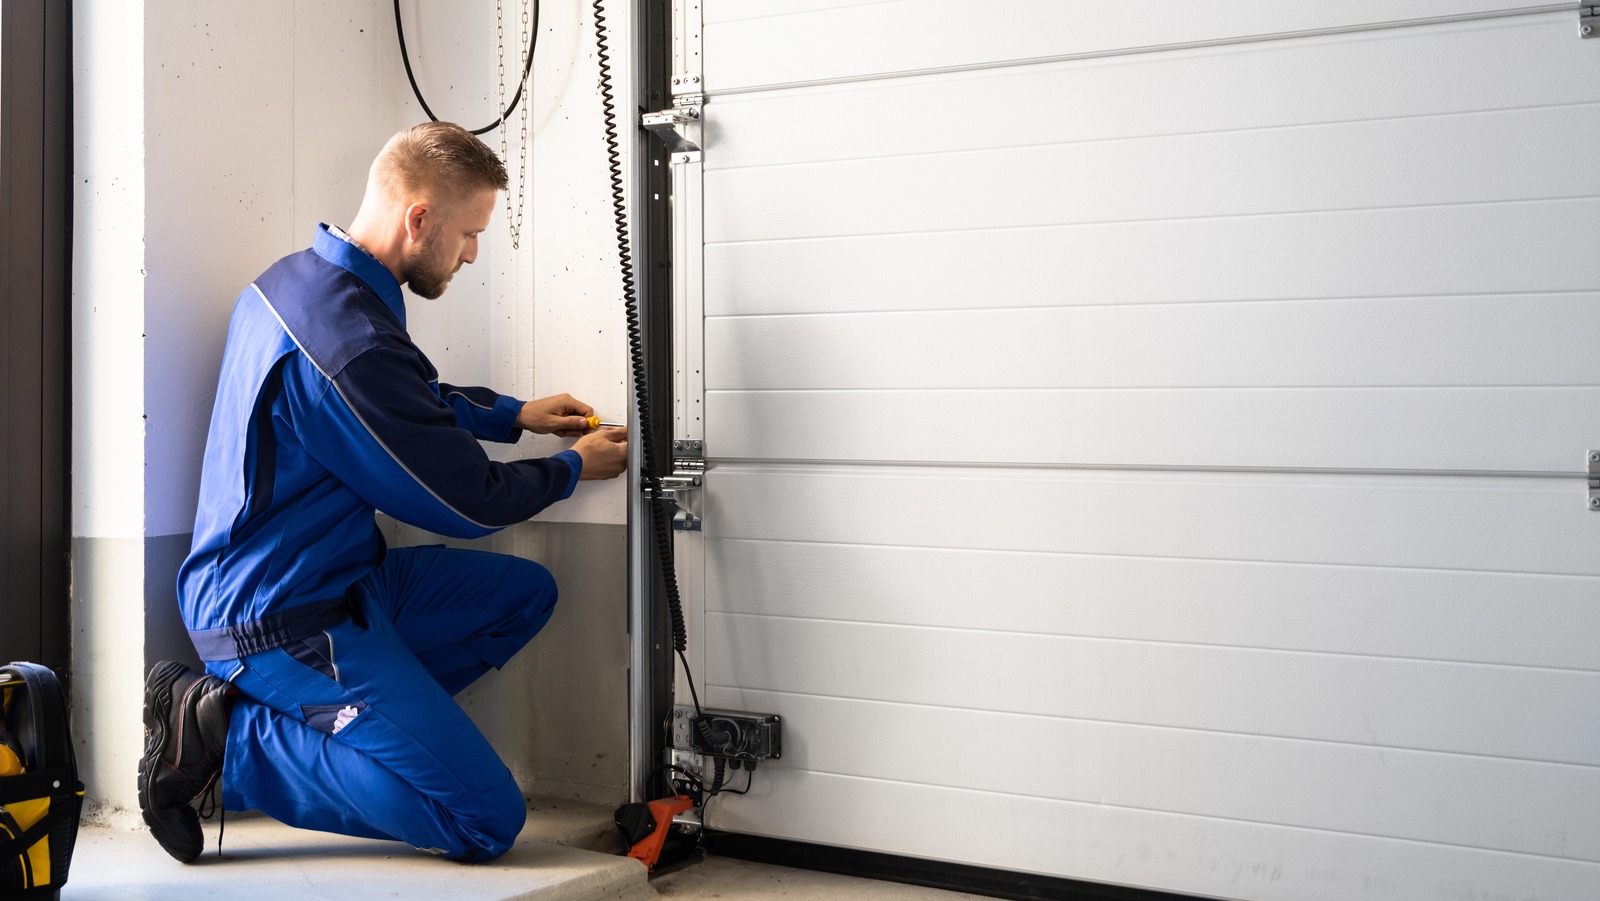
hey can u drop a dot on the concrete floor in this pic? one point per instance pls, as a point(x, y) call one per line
point(568, 852)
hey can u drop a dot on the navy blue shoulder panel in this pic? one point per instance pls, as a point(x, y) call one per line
point(337, 321)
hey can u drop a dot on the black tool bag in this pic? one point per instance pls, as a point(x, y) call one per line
point(40, 795)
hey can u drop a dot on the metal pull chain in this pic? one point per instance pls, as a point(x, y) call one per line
point(514, 219)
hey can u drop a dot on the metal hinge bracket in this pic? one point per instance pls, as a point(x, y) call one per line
point(1594, 481)
point(687, 88)
point(1589, 20)
point(688, 473)
point(670, 125)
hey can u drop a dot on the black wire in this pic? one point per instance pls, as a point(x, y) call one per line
point(719, 771)
point(692, 781)
point(619, 213)
point(749, 779)
point(652, 482)
point(527, 66)
point(659, 519)
point(696, 787)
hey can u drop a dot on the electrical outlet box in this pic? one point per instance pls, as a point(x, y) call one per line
point(729, 734)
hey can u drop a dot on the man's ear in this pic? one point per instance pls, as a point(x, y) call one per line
point(415, 214)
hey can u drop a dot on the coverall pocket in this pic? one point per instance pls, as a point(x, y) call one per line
point(333, 718)
point(315, 652)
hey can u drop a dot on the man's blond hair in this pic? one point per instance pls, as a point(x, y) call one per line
point(437, 158)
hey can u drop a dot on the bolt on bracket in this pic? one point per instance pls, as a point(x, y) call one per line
point(688, 473)
point(668, 125)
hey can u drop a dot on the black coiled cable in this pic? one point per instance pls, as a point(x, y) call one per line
point(660, 521)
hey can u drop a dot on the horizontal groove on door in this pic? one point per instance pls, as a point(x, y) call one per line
point(720, 84)
point(1131, 467)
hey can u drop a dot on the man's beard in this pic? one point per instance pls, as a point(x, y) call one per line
point(426, 275)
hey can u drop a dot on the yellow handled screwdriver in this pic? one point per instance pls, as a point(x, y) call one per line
point(596, 423)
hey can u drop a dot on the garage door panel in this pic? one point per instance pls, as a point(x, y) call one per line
point(1506, 249)
point(1399, 794)
point(1541, 430)
point(1351, 77)
point(1465, 616)
point(1154, 849)
point(1516, 712)
point(1436, 522)
point(1158, 467)
point(1443, 341)
point(752, 44)
point(1454, 159)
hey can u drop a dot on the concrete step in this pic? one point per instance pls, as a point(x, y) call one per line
point(573, 823)
point(555, 859)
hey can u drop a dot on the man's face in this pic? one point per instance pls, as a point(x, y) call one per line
point(447, 241)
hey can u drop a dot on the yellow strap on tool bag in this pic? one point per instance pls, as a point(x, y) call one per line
point(35, 861)
point(26, 802)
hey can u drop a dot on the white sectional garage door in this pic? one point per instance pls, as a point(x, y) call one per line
point(1146, 438)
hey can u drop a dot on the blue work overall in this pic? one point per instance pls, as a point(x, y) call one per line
point(347, 653)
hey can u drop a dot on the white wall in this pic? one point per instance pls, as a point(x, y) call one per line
point(211, 139)
point(567, 258)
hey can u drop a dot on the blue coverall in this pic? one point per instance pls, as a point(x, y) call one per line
point(346, 654)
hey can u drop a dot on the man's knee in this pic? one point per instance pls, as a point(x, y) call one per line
point(494, 827)
point(534, 593)
point(536, 582)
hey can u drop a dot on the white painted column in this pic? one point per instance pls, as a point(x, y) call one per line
point(108, 359)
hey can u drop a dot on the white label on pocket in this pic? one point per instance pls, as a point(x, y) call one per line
point(344, 718)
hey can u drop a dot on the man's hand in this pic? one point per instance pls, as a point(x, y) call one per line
point(604, 453)
point(560, 414)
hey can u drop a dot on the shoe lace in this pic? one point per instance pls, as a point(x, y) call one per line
point(210, 806)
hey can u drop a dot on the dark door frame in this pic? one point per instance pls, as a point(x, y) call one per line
point(36, 290)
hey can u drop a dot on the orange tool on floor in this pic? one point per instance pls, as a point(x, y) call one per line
point(648, 849)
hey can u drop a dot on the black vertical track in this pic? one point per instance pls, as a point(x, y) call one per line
point(35, 280)
point(653, 238)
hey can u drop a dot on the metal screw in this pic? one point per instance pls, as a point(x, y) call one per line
point(1594, 502)
point(685, 158)
point(1588, 30)
point(695, 79)
point(677, 81)
point(1594, 457)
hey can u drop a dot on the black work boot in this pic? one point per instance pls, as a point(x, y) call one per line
point(185, 728)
